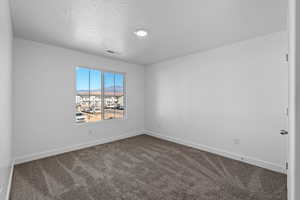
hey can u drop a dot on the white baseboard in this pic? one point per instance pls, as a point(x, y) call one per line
point(9, 182)
point(45, 154)
point(242, 158)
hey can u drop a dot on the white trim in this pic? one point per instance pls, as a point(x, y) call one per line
point(293, 92)
point(36, 156)
point(9, 182)
point(242, 158)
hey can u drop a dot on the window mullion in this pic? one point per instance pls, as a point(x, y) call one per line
point(114, 96)
point(89, 94)
point(124, 97)
point(102, 95)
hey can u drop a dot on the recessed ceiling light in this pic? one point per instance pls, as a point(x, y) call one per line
point(141, 33)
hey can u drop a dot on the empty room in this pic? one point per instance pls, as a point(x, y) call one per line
point(149, 100)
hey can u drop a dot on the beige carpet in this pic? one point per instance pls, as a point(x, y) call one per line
point(141, 168)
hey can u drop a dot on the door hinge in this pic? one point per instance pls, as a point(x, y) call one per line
point(287, 111)
point(287, 57)
point(286, 165)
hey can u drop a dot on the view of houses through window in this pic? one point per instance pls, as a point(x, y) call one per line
point(99, 95)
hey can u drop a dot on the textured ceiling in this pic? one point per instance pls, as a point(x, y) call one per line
point(176, 27)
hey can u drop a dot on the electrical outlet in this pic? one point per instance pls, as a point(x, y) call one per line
point(236, 141)
point(90, 132)
point(159, 125)
point(1, 189)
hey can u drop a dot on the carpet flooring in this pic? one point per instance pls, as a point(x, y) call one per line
point(144, 168)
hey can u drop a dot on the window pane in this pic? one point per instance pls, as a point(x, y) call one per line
point(95, 96)
point(109, 95)
point(88, 95)
point(119, 96)
point(82, 94)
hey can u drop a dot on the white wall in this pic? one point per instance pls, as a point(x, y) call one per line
point(214, 98)
point(44, 99)
point(5, 99)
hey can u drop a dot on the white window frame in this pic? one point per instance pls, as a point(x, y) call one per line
point(102, 93)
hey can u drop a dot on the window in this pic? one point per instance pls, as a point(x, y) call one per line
point(100, 95)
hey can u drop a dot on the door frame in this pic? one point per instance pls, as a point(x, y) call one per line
point(291, 173)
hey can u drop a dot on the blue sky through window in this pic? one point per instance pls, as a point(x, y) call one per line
point(109, 80)
point(90, 78)
point(82, 78)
